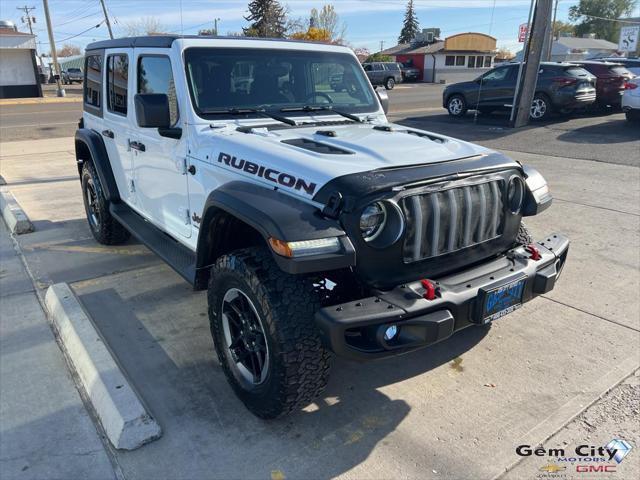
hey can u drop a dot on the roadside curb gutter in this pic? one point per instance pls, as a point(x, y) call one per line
point(120, 410)
point(13, 215)
point(39, 100)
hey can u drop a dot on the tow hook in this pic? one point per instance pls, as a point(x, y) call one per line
point(533, 251)
point(430, 289)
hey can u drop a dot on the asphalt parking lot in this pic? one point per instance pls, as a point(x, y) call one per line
point(456, 410)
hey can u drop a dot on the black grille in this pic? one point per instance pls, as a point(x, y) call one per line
point(451, 219)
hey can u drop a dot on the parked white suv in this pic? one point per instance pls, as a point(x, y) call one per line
point(315, 224)
point(631, 99)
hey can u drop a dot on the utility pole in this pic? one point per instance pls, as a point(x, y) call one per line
point(106, 19)
point(539, 31)
point(381, 45)
point(27, 15)
point(552, 32)
point(54, 53)
point(215, 26)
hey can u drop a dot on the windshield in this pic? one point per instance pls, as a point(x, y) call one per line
point(270, 79)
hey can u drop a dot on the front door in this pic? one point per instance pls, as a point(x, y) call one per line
point(160, 162)
point(498, 86)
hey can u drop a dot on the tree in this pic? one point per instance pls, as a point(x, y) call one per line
point(561, 28)
point(379, 57)
point(328, 20)
point(504, 55)
point(69, 50)
point(598, 17)
point(144, 26)
point(313, 34)
point(268, 19)
point(410, 26)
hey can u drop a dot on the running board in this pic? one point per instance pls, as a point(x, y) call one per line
point(179, 257)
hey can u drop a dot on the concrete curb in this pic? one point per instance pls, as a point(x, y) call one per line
point(40, 100)
point(15, 218)
point(124, 418)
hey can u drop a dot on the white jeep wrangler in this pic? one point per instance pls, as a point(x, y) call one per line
point(315, 224)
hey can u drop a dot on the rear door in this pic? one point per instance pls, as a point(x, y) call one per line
point(117, 120)
point(160, 162)
point(378, 74)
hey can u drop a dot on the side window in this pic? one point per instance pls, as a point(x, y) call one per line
point(93, 82)
point(155, 76)
point(378, 66)
point(472, 61)
point(367, 68)
point(460, 60)
point(487, 61)
point(450, 60)
point(117, 83)
point(496, 75)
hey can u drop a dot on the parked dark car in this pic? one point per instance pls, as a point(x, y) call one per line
point(611, 81)
point(409, 72)
point(631, 64)
point(71, 75)
point(386, 74)
point(561, 87)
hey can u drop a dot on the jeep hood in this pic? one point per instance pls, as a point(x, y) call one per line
point(318, 154)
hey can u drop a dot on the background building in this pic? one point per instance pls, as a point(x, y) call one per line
point(566, 49)
point(457, 58)
point(18, 68)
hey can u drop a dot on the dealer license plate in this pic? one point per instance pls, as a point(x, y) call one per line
point(502, 300)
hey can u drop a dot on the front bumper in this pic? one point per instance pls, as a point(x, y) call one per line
point(356, 329)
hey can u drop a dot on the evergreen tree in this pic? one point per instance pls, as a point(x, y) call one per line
point(268, 19)
point(410, 27)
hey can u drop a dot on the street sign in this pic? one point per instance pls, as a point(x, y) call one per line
point(522, 32)
point(629, 38)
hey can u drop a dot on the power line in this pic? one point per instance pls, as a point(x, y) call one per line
point(84, 31)
point(611, 19)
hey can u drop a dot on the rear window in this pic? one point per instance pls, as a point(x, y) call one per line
point(619, 70)
point(392, 66)
point(75, 70)
point(93, 83)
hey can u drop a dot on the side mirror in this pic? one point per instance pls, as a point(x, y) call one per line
point(152, 111)
point(384, 100)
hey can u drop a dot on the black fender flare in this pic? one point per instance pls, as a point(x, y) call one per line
point(275, 215)
point(91, 141)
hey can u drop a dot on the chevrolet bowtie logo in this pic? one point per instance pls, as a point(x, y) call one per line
point(551, 468)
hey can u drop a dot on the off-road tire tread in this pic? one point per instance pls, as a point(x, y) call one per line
point(524, 236)
point(110, 232)
point(300, 362)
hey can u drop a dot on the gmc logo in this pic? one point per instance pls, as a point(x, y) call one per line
point(596, 468)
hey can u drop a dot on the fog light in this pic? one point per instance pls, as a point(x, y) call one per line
point(390, 332)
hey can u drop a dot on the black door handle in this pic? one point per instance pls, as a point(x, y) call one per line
point(192, 169)
point(108, 133)
point(137, 146)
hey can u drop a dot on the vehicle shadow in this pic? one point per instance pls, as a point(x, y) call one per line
point(158, 331)
point(609, 132)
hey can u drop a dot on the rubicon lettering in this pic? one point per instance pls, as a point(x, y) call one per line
point(275, 176)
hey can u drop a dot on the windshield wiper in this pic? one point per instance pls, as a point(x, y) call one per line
point(322, 108)
point(244, 111)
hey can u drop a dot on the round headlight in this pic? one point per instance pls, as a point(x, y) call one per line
point(372, 220)
point(515, 194)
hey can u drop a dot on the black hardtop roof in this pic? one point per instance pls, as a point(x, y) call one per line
point(165, 41)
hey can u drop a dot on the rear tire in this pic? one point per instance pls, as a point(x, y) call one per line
point(457, 106)
point(632, 115)
point(540, 107)
point(105, 229)
point(389, 83)
point(283, 337)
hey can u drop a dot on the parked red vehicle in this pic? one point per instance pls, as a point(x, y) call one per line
point(611, 81)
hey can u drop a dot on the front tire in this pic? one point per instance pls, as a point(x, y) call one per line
point(632, 115)
point(105, 229)
point(389, 83)
point(457, 106)
point(263, 328)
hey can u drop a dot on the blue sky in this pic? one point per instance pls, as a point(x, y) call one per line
point(368, 21)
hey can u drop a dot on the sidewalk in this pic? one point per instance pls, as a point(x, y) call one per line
point(45, 431)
